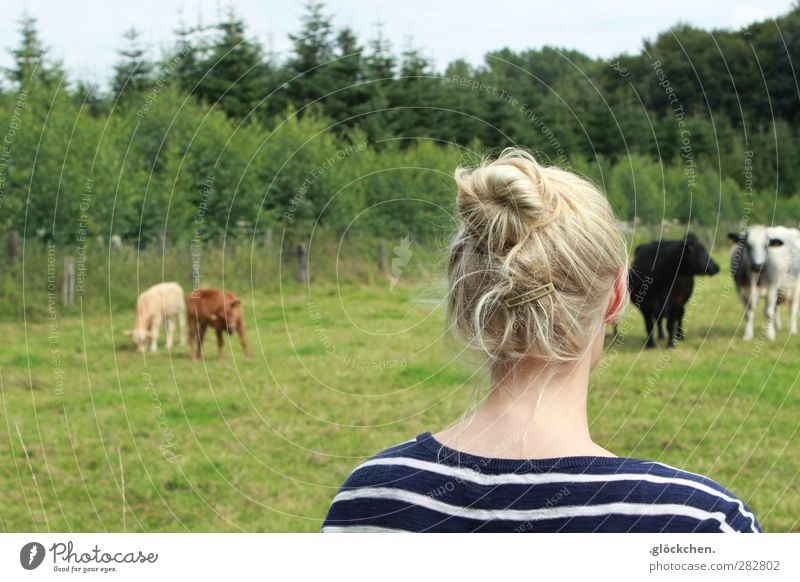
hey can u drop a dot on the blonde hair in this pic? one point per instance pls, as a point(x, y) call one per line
point(523, 225)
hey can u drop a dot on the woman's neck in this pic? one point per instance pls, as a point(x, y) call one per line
point(527, 416)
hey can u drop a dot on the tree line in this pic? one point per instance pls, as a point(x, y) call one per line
point(221, 138)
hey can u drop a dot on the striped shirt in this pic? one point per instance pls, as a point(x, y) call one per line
point(423, 486)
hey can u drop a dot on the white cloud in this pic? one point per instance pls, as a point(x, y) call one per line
point(747, 14)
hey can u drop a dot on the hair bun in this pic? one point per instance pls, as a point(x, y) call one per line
point(503, 202)
point(533, 264)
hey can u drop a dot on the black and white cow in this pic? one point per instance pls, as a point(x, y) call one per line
point(765, 262)
point(661, 282)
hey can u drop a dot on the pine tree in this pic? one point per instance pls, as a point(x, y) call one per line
point(465, 108)
point(235, 75)
point(313, 51)
point(86, 95)
point(186, 57)
point(346, 73)
point(415, 95)
point(133, 73)
point(30, 64)
point(379, 71)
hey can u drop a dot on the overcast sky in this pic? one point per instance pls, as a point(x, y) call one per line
point(85, 34)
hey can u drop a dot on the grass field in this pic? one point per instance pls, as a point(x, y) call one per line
point(100, 438)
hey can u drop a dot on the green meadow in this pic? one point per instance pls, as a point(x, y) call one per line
point(101, 438)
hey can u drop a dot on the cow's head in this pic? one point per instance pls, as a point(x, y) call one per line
point(696, 260)
point(231, 313)
point(140, 337)
point(755, 243)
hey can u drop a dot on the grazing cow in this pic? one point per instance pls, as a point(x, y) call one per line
point(765, 262)
point(661, 282)
point(681, 293)
point(160, 303)
point(219, 309)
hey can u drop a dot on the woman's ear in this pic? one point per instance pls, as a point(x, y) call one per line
point(618, 296)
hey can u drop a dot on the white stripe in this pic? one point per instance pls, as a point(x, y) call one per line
point(749, 515)
point(360, 529)
point(368, 461)
point(641, 509)
point(541, 478)
point(466, 474)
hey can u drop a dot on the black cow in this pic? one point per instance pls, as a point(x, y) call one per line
point(661, 282)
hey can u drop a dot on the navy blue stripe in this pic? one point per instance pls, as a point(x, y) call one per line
point(456, 491)
point(400, 515)
point(461, 492)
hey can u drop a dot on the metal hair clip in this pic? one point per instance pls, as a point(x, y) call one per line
point(537, 293)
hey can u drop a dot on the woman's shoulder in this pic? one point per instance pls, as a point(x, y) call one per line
point(364, 502)
point(372, 471)
point(701, 491)
point(380, 490)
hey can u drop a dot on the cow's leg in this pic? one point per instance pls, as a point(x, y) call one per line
point(769, 312)
point(182, 328)
point(155, 329)
point(778, 322)
point(671, 341)
point(648, 326)
point(170, 323)
point(242, 337)
point(673, 325)
point(202, 337)
point(660, 326)
point(193, 338)
point(220, 342)
point(749, 297)
point(197, 330)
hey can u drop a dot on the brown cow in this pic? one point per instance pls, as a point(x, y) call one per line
point(219, 309)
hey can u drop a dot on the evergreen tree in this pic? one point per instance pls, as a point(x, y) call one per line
point(313, 51)
point(30, 64)
point(86, 95)
point(415, 95)
point(235, 75)
point(346, 73)
point(189, 51)
point(133, 73)
point(379, 73)
point(463, 120)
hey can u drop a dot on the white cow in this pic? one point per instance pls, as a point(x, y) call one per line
point(160, 303)
point(766, 263)
point(787, 257)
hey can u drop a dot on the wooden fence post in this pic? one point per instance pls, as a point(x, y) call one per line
point(382, 258)
point(12, 246)
point(196, 253)
point(69, 280)
point(268, 242)
point(302, 263)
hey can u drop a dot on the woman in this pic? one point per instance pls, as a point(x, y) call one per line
point(536, 270)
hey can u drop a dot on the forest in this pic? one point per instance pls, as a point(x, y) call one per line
point(221, 138)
